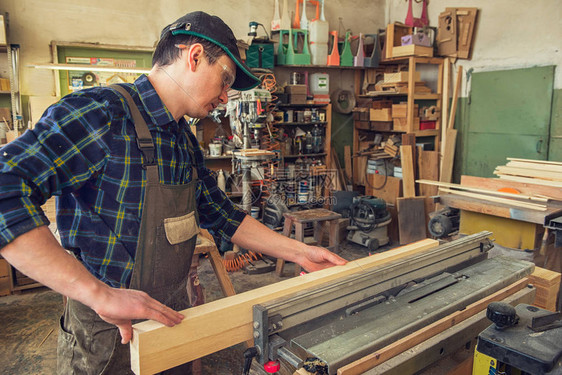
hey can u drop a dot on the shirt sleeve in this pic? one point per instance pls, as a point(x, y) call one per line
point(67, 146)
point(217, 213)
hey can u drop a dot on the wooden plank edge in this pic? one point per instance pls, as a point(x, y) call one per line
point(220, 324)
point(407, 342)
point(510, 202)
point(483, 191)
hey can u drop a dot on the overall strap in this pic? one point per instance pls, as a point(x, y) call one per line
point(144, 138)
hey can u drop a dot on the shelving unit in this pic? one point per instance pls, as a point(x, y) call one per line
point(411, 97)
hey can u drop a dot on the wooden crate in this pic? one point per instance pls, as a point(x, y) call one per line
point(401, 124)
point(548, 285)
point(399, 77)
point(384, 114)
point(401, 110)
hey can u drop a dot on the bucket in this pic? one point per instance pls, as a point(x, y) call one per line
point(215, 149)
point(255, 213)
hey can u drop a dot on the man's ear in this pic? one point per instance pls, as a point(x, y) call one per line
point(195, 56)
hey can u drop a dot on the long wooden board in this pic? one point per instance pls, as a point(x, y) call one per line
point(527, 180)
point(448, 156)
point(484, 191)
point(524, 188)
point(529, 172)
point(220, 324)
point(428, 167)
point(408, 177)
point(509, 202)
point(368, 362)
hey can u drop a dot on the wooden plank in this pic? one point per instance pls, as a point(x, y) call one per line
point(535, 166)
point(397, 347)
point(428, 167)
point(530, 180)
point(409, 139)
point(546, 162)
point(484, 191)
point(220, 324)
point(530, 172)
point(411, 219)
point(448, 156)
point(347, 161)
point(445, 106)
point(510, 202)
point(525, 188)
point(388, 188)
point(451, 123)
point(408, 171)
point(490, 208)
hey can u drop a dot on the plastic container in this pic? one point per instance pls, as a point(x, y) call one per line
point(319, 53)
point(215, 149)
point(320, 83)
point(255, 213)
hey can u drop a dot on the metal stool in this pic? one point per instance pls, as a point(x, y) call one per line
point(317, 216)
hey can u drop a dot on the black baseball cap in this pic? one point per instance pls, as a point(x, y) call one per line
point(213, 29)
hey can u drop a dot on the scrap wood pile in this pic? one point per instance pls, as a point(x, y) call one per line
point(380, 149)
point(539, 172)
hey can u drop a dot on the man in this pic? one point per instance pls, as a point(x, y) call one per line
point(133, 191)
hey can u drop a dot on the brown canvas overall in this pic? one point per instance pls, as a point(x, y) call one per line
point(167, 236)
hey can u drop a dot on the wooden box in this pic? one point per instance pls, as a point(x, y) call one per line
point(394, 47)
point(380, 104)
point(382, 126)
point(399, 77)
point(401, 110)
point(412, 50)
point(401, 124)
point(295, 89)
point(548, 285)
point(383, 114)
point(362, 125)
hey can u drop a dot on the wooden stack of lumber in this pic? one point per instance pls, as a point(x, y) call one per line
point(535, 203)
point(541, 172)
point(548, 285)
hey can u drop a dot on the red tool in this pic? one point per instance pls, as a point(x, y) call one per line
point(272, 367)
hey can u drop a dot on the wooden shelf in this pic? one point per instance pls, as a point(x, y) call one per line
point(222, 157)
point(304, 155)
point(283, 105)
point(300, 123)
point(416, 96)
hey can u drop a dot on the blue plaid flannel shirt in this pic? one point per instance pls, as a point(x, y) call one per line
point(83, 150)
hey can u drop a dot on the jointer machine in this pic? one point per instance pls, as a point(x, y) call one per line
point(325, 330)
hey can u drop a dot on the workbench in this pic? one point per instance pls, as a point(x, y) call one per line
point(514, 227)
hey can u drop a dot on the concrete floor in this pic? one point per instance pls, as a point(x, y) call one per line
point(29, 323)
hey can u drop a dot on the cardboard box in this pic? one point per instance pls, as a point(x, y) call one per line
point(297, 98)
point(400, 77)
point(295, 89)
point(384, 114)
point(401, 124)
point(401, 110)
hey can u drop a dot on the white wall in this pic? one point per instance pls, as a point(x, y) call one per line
point(510, 33)
point(35, 23)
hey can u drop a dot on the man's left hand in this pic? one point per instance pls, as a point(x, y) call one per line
point(314, 258)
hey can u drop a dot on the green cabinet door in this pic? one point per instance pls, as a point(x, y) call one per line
point(508, 116)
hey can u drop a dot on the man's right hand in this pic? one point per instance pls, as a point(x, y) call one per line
point(124, 305)
point(38, 255)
